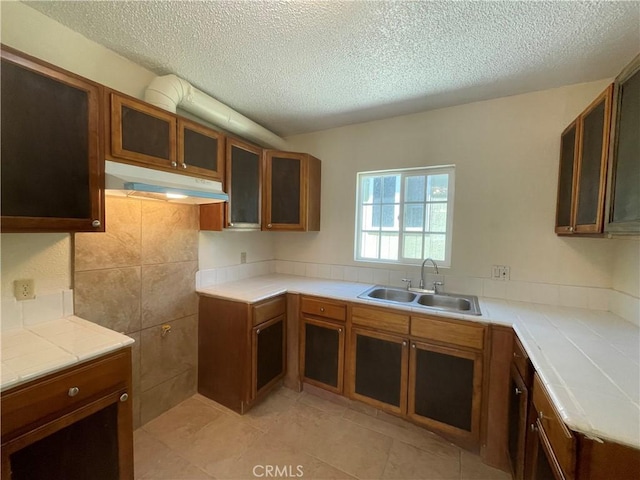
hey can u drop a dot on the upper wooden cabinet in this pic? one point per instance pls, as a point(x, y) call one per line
point(244, 184)
point(140, 133)
point(52, 173)
point(291, 191)
point(200, 150)
point(584, 154)
point(623, 206)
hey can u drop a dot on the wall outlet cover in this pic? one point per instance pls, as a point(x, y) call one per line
point(24, 289)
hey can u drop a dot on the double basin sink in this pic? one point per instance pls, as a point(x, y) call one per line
point(450, 302)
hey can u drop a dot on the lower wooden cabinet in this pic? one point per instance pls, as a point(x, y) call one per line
point(378, 370)
point(322, 354)
point(445, 390)
point(74, 424)
point(267, 354)
point(517, 423)
point(241, 350)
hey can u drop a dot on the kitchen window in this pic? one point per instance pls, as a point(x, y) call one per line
point(404, 216)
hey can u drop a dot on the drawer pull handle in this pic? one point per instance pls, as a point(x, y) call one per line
point(73, 391)
point(124, 397)
point(518, 391)
point(515, 355)
point(322, 309)
point(541, 416)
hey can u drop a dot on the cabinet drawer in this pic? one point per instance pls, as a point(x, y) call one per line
point(323, 308)
point(561, 439)
point(464, 334)
point(521, 360)
point(42, 399)
point(380, 319)
point(269, 309)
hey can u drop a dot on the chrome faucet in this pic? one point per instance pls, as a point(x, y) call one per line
point(435, 266)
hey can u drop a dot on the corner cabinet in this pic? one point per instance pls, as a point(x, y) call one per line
point(291, 192)
point(623, 205)
point(86, 408)
point(583, 169)
point(141, 134)
point(241, 350)
point(52, 169)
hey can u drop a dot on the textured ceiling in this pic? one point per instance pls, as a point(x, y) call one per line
point(300, 66)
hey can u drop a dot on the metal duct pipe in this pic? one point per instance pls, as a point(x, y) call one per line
point(170, 91)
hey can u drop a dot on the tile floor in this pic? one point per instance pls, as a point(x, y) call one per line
point(296, 435)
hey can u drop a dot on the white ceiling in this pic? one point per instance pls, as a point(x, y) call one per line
point(301, 66)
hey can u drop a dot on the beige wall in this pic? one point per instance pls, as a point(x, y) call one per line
point(506, 156)
point(626, 266)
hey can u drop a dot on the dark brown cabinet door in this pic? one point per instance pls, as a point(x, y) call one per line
point(244, 184)
point(517, 426)
point(379, 370)
point(445, 386)
point(200, 150)
point(291, 197)
point(595, 123)
point(568, 152)
point(141, 133)
point(624, 194)
point(541, 463)
point(52, 173)
point(268, 354)
point(322, 354)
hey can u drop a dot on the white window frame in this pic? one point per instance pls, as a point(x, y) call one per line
point(403, 172)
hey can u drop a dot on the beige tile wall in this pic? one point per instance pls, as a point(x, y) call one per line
point(136, 277)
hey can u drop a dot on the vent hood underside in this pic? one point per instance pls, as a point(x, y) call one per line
point(132, 181)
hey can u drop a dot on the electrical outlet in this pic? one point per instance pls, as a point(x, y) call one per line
point(500, 272)
point(24, 289)
point(243, 257)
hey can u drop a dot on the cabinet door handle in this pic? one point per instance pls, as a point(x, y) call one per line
point(533, 427)
point(540, 416)
point(184, 165)
point(413, 345)
point(570, 229)
point(340, 330)
point(515, 355)
point(269, 226)
point(258, 332)
point(404, 343)
point(124, 397)
point(322, 309)
point(73, 391)
point(174, 164)
point(518, 391)
point(96, 223)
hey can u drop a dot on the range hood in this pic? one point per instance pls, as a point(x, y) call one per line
point(138, 182)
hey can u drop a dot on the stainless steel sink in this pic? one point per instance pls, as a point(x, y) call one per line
point(392, 295)
point(429, 301)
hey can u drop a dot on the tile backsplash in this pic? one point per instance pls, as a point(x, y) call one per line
point(48, 306)
point(603, 299)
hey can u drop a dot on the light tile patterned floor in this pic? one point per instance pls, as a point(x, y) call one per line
point(296, 434)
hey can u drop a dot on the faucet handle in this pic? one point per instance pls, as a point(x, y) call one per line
point(408, 282)
point(436, 285)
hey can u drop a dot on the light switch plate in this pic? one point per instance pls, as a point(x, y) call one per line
point(500, 272)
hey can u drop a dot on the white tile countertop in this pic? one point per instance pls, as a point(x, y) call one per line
point(37, 350)
point(589, 360)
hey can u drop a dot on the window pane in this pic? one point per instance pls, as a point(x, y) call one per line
point(389, 246)
point(390, 217)
point(377, 189)
point(437, 217)
point(434, 246)
point(414, 217)
point(414, 189)
point(437, 188)
point(370, 217)
point(369, 245)
point(367, 190)
point(412, 246)
point(391, 189)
